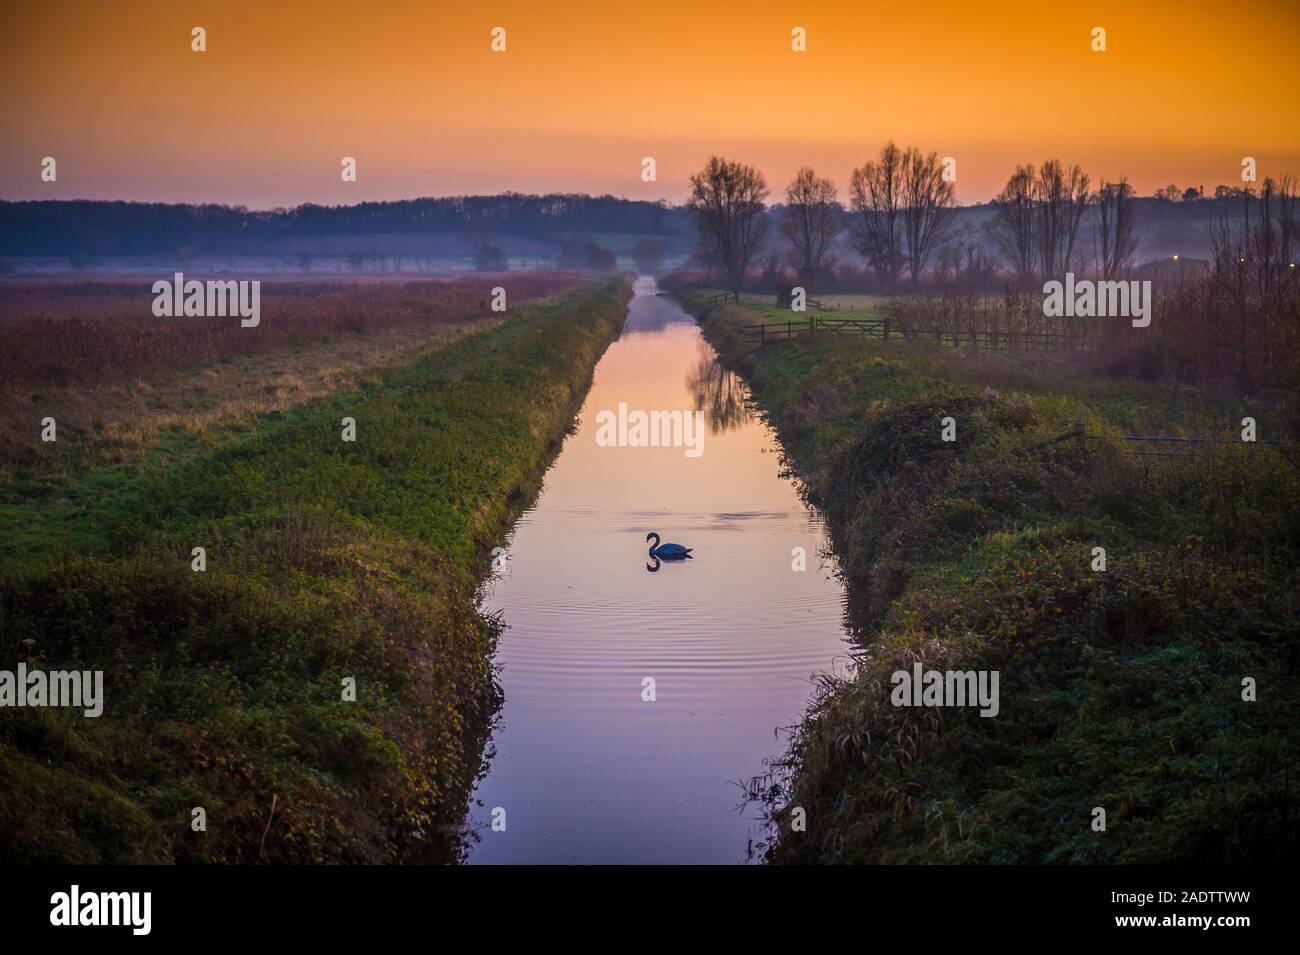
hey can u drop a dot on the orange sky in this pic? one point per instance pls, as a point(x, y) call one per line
point(413, 92)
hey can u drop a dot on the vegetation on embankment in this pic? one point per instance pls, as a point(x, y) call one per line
point(1119, 689)
point(325, 560)
point(119, 381)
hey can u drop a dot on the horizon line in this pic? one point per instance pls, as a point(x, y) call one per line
point(1206, 196)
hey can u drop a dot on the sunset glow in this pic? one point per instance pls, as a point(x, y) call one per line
point(415, 94)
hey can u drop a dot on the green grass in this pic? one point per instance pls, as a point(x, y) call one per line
point(1119, 689)
point(325, 560)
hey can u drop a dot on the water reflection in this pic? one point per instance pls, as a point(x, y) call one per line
point(588, 768)
point(721, 394)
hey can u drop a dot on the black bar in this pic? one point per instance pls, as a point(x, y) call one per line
point(307, 904)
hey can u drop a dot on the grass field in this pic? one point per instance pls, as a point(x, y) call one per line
point(325, 561)
point(1120, 689)
point(117, 380)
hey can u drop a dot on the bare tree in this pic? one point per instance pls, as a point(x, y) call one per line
point(928, 207)
point(1036, 218)
point(875, 195)
point(1253, 273)
point(964, 261)
point(1012, 227)
point(1113, 236)
point(1061, 199)
point(726, 203)
point(649, 255)
point(1077, 207)
point(1238, 321)
point(1273, 239)
point(811, 221)
point(491, 258)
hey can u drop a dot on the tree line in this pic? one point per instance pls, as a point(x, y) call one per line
point(94, 228)
point(900, 215)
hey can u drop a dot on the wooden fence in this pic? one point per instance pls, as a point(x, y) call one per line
point(951, 334)
point(1177, 446)
point(765, 332)
point(884, 329)
point(1167, 447)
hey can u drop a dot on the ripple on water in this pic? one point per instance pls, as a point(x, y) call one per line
point(587, 770)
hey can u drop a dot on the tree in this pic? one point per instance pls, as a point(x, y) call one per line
point(491, 258)
point(649, 255)
point(1250, 299)
point(1061, 199)
point(964, 260)
point(580, 255)
point(928, 207)
point(726, 204)
point(1114, 235)
point(875, 193)
point(1012, 227)
point(811, 221)
point(1256, 254)
point(1036, 218)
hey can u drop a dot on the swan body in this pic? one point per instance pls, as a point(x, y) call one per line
point(668, 551)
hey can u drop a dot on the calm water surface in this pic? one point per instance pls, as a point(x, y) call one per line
point(585, 769)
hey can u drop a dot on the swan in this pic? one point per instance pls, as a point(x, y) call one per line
point(668, 551)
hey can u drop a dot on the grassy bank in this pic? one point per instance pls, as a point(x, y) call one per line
point(119, 381)
point(325, 560)
point(1119, 689)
